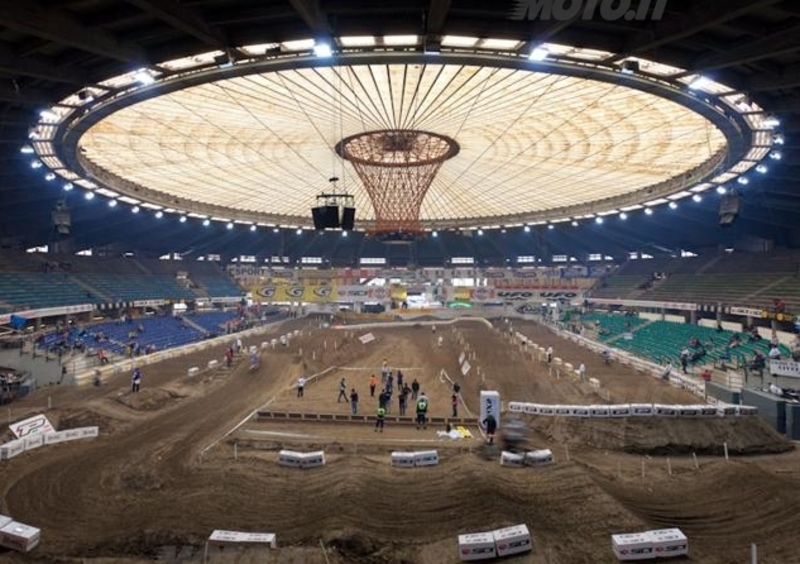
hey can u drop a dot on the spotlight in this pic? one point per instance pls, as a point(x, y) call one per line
point(597, 220)
point(673, 206)
point(434, 234)
point(135, 209)
point(50, 176)
point(322, 50)
point(743, 180)
point(344, 233)
point(778, 139)
point(253, 228)
point(182, 219)
point(480, 231)
point(527, 229)
point(112, 203)
point(538, 54)
point(775, 155)
point(159, 214)
point(26, 150)
point(574, 223)
point(648, 211)
point(276, 230)
point(697, 198)
point(551, 226)
point(36, 164)
point(230, 225)
point(699, 83)
point(762, 169)
point(206, 222)
point(721, 190)
point(144, 77)
point(623, 216)
point(89, 195)
point(68, 186)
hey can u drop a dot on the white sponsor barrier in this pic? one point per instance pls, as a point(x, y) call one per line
point(219, 537)
point(688, 410)
point(662, 543)
point(708, 410)
point(541, 457)
point(193, 371)
point(665, 410)
point(516, 407)
point(476, 546)
point(465, 368)
point(642, 409)
point(562, 410)
point(787, 368)
point(12, 449)
point(33, 442)
point(516, 460)
point(313, 459)
point(579, 411)
point(290, 458)
point(512, 540)
point(726, 410)
point(368, 338)
point(426, 458)
point(31, 426)
point(622, 410)
point(669, 542)
point(594, 383)
point(746, 410)
point(19, 537)
point(599, 410)
point(403, 459)
point(4, 520)
point(294, 459)
point(532, 408)
point(635, 546)
point(212, 364)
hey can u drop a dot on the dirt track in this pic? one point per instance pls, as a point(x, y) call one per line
point(142, 486)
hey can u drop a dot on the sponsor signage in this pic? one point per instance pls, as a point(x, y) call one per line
point(644, 303)
point(788, 368)
point(747, 311)
point(525, 295)
point(5, 319)
point(36, 425)
point(319, 294)
point(490, 405)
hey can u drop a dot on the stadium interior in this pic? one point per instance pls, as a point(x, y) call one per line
point(591, 213)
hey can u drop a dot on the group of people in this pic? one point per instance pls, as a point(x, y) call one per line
point(390, 383)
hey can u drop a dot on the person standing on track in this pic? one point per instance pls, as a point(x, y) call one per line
point(301, 386)
point(373, 382)
point(491, 427)
point(342, 391)
point(454, 403)
point(354, 401)
point(414, 389)
point(402, 399)
point(422, 411)
point(380, 418)
point(549, 355)
point(136, 380)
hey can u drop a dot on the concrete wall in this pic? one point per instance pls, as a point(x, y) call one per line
point(771, 408)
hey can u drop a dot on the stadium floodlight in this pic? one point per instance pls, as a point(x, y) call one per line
point(538, 54)
point(182, 219)
point(775, 155)
point(575, 223)
point(26, 150)
point(344, 233)
point(89, 195)
point(49, 115)
point(527, 229)
point(673, 205)
point(597, 220)
point(135, 209)
point(144, 77)
point(778, 139)
point(36, 164)
point(551, 226)
point(697, 198)
point(623, 216)
point(253, 227)
point(323, 50)
point(480, 231)
point(159, 214)
point(743, 180)
point(434, 234)
point(762, 169)
point(50, 176)
point(771, 122)
point(700, 83)
point(648, 211)
point(230, 225)
point(206, 222)
point(68, 186)
point(112, 203)
point(721, 190)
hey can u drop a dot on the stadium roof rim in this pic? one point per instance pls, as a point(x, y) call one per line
point(738, 132)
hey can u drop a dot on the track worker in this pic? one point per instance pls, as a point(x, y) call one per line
point(491, 427)
point(422, 411)
point(380, 418)
point(136, 379)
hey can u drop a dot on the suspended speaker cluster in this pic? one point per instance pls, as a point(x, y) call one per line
point(334, 211)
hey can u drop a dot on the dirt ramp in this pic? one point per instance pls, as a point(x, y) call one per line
point(666, 436)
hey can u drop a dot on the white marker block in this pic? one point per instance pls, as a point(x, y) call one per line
point(546, 410)
point(688, 411)
point(512, 459)
point(669, 542)
point(4, 520)
point(516, 407)
point(563, 410)
point(403, 459)
point(594, 383)
point(512, 540)
point(726, 410)
point(532, 408)
point(290, 458)
point(541, 457)
point(426, 458)
point(213, 364)
point(33, 441)
point(660, 410)
point(621, 410)
point(642, 409)
point(708, 411)
point(312, 459)
point(193, 371)
point(579, 411)
point(476, 546)
point(19, 537)
point(253, 349)
point(12, 449)
point(636, 546)
point(599, 411)
point(264, 345)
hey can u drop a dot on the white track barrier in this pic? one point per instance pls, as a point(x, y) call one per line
point(512, 540)
point(19, 537)
point(635, 546)
point(193, 371)
point(294, 459)
point(632, 410)
point(476, 546)
point(220, 537)
point(212, 364)
point(543, 457)
point(512, 459)
point(403, 459)
point(32, 442)
point(669, 542)
point(426, 458)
